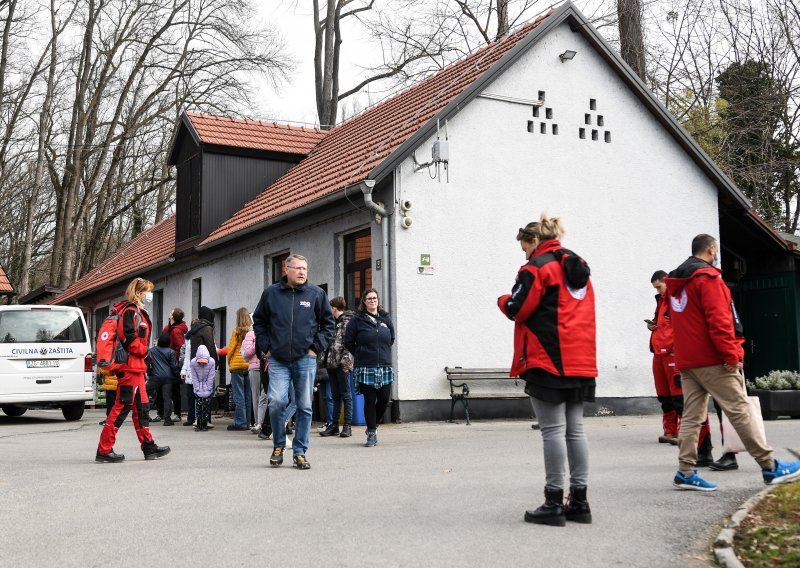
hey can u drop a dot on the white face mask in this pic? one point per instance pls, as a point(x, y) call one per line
point(148, 297)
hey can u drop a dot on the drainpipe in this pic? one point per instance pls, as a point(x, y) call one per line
point(381, 215)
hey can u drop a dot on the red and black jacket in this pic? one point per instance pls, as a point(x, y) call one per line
point(554, 327)
point(130, 321)
point(662, 339)
point(707, 328)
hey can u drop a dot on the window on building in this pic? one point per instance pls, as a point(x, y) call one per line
point(279, 266)
point(357, 266)
point(197, 299)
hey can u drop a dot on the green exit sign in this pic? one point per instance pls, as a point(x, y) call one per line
point(424, 260)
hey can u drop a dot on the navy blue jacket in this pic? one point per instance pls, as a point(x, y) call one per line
point(163, 365)
point(370, 339)
point(289, 321)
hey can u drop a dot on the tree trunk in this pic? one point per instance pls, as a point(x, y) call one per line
point(631, 37)
point(502, 18)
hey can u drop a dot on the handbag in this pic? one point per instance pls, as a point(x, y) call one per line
point(732, 443)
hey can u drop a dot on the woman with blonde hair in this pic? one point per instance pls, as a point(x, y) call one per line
point(552, 306)
point(133, 334)
point(240, 374)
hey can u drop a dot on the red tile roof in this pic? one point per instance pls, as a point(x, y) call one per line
point(225, 131)
point(142, 252)
point(347, 154)
point(5, 284)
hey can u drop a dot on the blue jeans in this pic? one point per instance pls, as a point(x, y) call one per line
point(327, 389)
point(299, 375)
point(342, 393)
point(242, 398)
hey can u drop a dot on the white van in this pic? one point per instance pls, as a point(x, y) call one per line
point(45, 360)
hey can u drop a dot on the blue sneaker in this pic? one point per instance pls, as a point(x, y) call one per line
point(784, 472)
point(372, 438)
point(692, 483)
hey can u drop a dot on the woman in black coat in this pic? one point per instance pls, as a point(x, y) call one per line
point(369, 338)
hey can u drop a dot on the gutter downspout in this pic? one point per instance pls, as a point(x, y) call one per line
point(381, 214)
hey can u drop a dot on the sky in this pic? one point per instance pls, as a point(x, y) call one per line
point(294, 100)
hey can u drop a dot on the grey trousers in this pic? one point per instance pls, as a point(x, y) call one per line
point(564, 441)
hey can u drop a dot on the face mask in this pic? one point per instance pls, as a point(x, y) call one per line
point(715, 262)
point(148, 297)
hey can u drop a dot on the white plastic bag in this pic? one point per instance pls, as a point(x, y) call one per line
point(732, 441)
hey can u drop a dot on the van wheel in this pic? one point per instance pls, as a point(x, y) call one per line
point(14, 411)
point(72, 411)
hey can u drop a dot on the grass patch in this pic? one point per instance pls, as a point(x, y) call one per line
point(770, 535)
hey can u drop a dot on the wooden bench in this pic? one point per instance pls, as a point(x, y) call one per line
point(458, 378)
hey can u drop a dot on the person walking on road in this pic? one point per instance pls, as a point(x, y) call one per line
point(133, 333)
point(369, 336)
point(293, 325)
point(552, 306)
point(667, 378)
point(240, 375)
point(709, 354)
point(339, 363)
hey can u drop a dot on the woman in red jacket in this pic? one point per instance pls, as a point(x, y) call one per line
point(552, 306)
point(133, 333)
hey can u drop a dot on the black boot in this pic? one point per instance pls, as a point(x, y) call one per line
point(152, 451)
point(332, 430)
point(110, 457)
point(551, 512)
point(577, 507)
point(346, 431)
point(704, 457)
point(726, 463)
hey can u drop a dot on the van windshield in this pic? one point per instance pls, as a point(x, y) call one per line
point(41, 326)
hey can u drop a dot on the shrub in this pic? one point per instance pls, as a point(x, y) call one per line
point(778, 380)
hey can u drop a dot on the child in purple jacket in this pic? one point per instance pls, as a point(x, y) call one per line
point(203, 368)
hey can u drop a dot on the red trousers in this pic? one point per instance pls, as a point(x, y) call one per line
point(670, 395)
point(131, 395)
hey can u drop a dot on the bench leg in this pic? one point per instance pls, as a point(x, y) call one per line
point(452, 406)
point(466, 409)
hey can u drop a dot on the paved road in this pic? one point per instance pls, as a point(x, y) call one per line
point(430, 494)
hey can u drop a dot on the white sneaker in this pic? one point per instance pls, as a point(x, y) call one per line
point(256, 429)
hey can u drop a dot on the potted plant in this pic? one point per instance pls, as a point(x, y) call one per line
point(779, 394)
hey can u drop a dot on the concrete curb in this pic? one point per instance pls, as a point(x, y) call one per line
point(723, 544)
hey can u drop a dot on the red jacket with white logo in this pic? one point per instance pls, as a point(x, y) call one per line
point(554, 327)
point(703, 317)
point(661, 340)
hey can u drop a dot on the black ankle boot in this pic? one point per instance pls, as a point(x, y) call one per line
point(332, 430)
point(152, 451)
point(577, 507)
point(551, 512)
point(346, 431)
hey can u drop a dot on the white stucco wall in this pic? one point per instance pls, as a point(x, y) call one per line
point(630, 207)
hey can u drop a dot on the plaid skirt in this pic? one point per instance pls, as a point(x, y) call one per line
point(374, 377)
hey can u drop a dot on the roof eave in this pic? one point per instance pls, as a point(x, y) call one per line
point(185, 121)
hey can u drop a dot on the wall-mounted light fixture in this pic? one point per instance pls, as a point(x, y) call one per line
point(567, 55)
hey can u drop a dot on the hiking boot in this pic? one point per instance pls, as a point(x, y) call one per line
point(110, 457)
point(726, 463)
point(276, 458)
point(372, 438)
point(704, 459)
point(168, 422)
point(577, 507)
point(332, 430)
point(152, 451)
point(668, 439)
point(783, 472)
point(692, 483)
point(300, 462)
point(346, 431)
point(552, 510)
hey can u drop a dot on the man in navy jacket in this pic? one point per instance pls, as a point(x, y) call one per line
point(293, 324)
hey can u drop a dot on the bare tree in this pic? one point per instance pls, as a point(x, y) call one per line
point(631, 35)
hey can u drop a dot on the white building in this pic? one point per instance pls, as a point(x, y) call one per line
point(521, 129)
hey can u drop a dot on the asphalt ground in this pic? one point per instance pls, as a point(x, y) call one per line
point(430, 494)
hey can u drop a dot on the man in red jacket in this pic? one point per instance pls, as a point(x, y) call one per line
point(667, 377)
point(709, 354)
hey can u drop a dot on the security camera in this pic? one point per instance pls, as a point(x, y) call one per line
point(405, 205)
point(406, 222)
